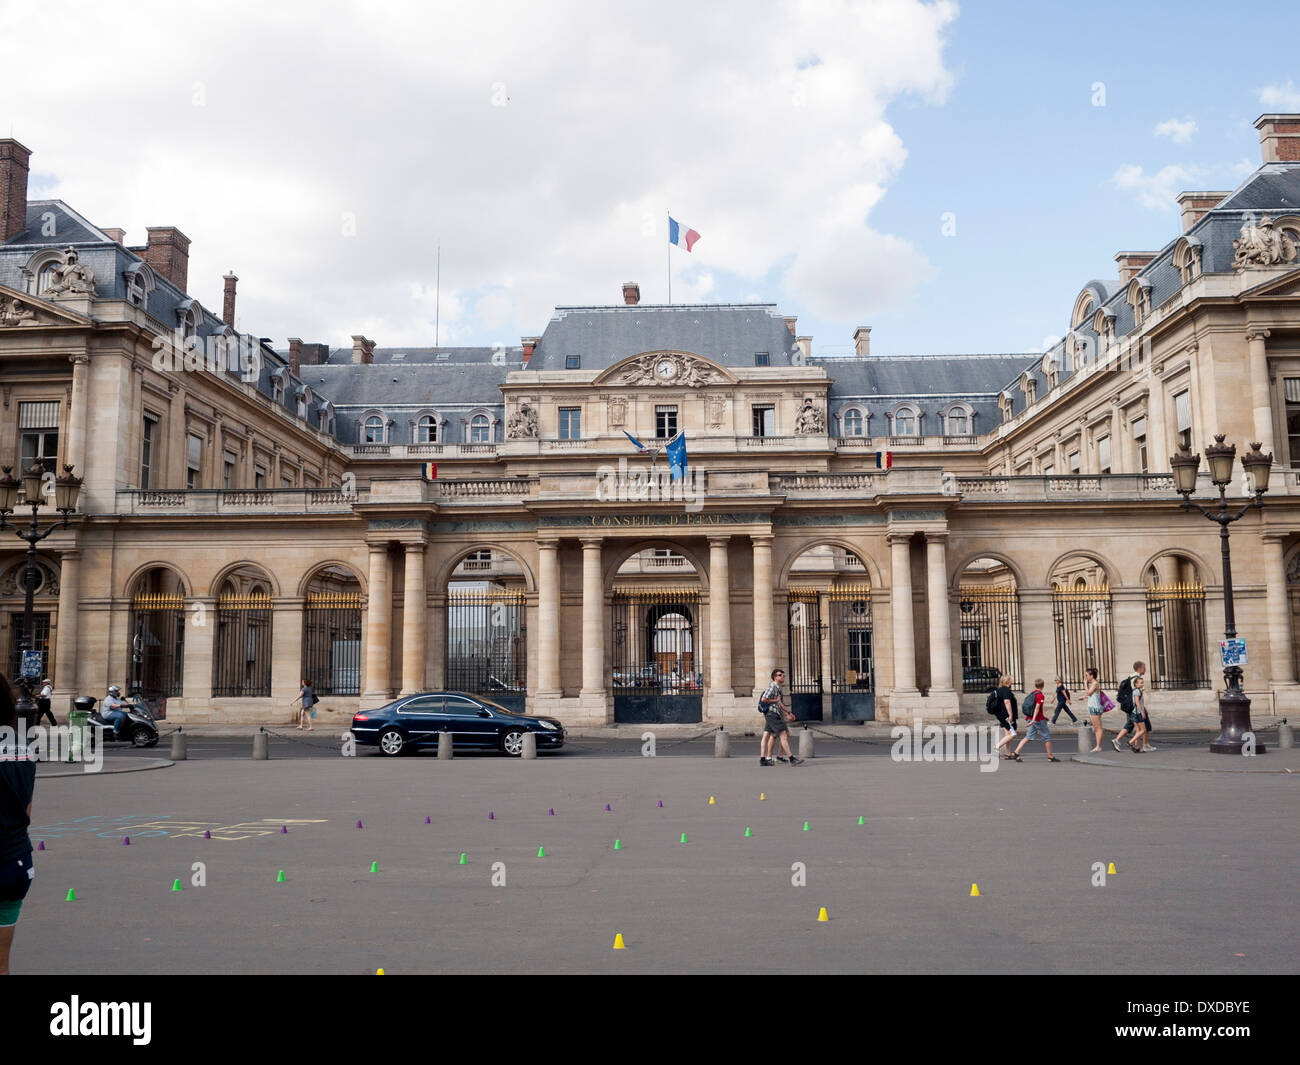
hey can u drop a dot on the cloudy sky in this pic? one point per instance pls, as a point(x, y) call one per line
point(949, 175)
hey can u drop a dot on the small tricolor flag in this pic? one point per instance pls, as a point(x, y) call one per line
point(430, 470)
point(884, 460)
point(641, 449)
point(682, 236)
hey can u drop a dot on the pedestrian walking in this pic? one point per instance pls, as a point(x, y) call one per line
point(17, 783)
point(43, 702)
point(1036, 719)
point(1063, 702)
point(1141, 686)
point(1002, 705)
point(1092, 695)
point(307, 700)
point(775, 716)
point(1129, 699)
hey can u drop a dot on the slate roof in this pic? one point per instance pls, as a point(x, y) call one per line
point(67, 226)
point(514, 355)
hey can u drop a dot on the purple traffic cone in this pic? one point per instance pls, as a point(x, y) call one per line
point(607, 809)
point(126, 841)
point(491, 816)
point(427, 821)
point(661, 804)
point(552, 811)
point(41, 845)
point(358, 824)
point(207, 833)
point(284, 830)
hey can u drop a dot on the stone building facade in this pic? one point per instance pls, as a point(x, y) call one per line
point(894, 531)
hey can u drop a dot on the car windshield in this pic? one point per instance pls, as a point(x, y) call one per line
point(498, 707)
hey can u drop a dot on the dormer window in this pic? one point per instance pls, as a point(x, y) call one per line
point(1051, 368)
point(905, 421)
point(304, 401)
point(426, 430)
point(277, 385)
point(1187, 257)
point(1104, 323)
point(1029, 386)
point(479, 428)
point(958, 421)
point(573, 362)
point(140, 282)
point(853, 422)
point(188, 316)
point(1139, 298)
point(1082, 308)
point(762, 358)
point(326, 419)
point(372, 430)
point(1004, 405)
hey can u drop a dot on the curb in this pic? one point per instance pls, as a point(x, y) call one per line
point(137, 765)
point(1092, 759)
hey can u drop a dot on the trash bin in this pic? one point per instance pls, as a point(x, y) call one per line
point(79, 726)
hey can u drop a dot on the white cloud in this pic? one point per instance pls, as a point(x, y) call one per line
point(1178, 130)
point(1158, 190)
point(387, 112)
point(1280, 97)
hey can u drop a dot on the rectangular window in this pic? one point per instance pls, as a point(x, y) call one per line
point(1074, 462)
point(765, 420)
point(228, 475)
point(1140, 443)
point(38, 424)
point(286, 481)
point(762, 358)
point(665, 421)
point(147, 431)
point(259, 477)
point(193, 460)
point(1049, 470)
point(570, 423)
point(573, 362)
point(1103, 454)
point(1292, 387)
point(1183, 418)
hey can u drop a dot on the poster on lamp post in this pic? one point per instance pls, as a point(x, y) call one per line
point(31, 666)
point(1233, 653)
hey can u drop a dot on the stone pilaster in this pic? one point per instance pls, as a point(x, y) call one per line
point(764, 634)
point(65, 650)
point(414, 612)
point(900, 595)
point(548, 618)
point(379, 616)
point(936, 561)
point(1277, 611)
point(1260, 395)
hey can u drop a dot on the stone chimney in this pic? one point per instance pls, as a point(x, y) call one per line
point(13, 188)
point(1194, 205)
point(228, 304)
point(168, 252)
point(363, 351)
point(301, 355)
point(789, 324)
point(116, 235)
point(862, 340)
point(1130, 262)
point(805, 345)
point(1279, 137)
point(631, 293)
point(530, 345)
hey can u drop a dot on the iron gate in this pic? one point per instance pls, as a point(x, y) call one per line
point(804, 682)
point(40, 642)
point(853, 664)
point(1176, 636)
point(331, 642)
point(656, 675)
point(242, 664)
point(157, 645)
point(990, 637)
point(1084, 634)
point(487, 651)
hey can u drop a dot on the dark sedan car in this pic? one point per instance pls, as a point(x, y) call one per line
point(475, 723)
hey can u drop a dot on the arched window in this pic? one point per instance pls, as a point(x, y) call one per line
point(479, 427)
point(325, 418)
point(853, 422)
point(958, 421)
point(905, 421)
point(372, 430)
point(188, 316)
point(1082, 308)
point(140, 282)
point(1187, 257)
point(1139, 298)
point(304, 401)
point(277, 385)
point(426, 429)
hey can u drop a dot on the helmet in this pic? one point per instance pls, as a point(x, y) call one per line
point(113, 689)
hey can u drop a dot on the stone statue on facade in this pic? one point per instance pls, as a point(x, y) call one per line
point(810, 418)
point(71, 278)
point(1262, 245)
point(14, 313)
point(522, 424)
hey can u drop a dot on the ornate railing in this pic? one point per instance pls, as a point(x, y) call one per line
point(502, 486)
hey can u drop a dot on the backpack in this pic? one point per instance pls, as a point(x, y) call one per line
point(1125, 695)
point(1029, 706)
point(991, 704)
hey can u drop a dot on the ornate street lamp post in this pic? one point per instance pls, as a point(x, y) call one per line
point(66, 487)
point(1234, 707)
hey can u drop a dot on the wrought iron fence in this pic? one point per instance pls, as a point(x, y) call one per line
point(242, 663)
point(804, 621)
point(157, 644)
point(853, 662)
point(656, 670)
point(486, 644)
point(40, 642)
point(1176, 636)
point(990, 636)
point(331, 642)
point(1085, 635)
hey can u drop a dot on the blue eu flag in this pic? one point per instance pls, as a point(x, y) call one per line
point(675, 449)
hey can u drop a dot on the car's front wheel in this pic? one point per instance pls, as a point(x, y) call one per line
point(391, 742)
point(512, 742)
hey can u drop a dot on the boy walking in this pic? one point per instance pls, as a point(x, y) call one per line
point(1131, 702)
point(775, 716)
point(1038, 729)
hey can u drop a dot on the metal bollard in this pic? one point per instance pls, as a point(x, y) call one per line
point(444, 744)
point(530, 745)
point(806, 744)
point(1285, 736)
point(1086, 738)
point(722, 744)
point(178, 746)
point(261, 749)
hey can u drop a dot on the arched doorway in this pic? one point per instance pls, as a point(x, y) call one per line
point(1083, 620)
point(486, 632)
point(831, 636)
point(989, 620)
point(45, 604)
point(1176, 640)
point(157, 635)
point(331, 631)
point(654, 618)
point(241, 663)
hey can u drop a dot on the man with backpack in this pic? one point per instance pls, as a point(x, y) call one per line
point(1132, 709)
point(1001, 703)
point(772, 706)
point(1038, 730)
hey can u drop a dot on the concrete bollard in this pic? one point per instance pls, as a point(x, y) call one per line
point(806, 744)
point(1285, 736)
point(444, 744)
point(1086, 738)
point(178, 747)
point(530, 745)
point(261, 749)
point(721, 744)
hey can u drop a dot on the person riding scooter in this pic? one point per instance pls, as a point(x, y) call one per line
point(112, 710)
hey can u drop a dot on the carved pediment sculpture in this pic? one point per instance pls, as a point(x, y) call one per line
point(523, 423)
point(1262, 245)
point(810, 419)
point(669, 368)
point(12, 312)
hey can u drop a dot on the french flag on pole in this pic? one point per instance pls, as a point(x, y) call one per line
point(682, 236)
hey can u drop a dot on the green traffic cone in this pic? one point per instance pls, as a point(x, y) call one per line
point(749, 832)
point(374, 867)
point(463, 859)
point(541, 852)
point(805, 826)
point(683, 837)
point(72, 896)
point(280, 879)
point(861, 820)
point(618, 844)
point(176, 884)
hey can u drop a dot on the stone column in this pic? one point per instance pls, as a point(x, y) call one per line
point(65, 649)
point(1260, 395)
point(548, 617)
point(1118, 463)
point(900, 594)
point(413, 615)
point(286, 658)
point(200, 638)
point(719, 616)
point(936, 563)
point(1277, 611)
point(379, 616)
point(77, 416)
point(764, 634)
point(593, 619)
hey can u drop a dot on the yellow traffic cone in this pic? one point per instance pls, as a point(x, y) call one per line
point(822, 915)
point(618, 941)
point(710, 800)
point(379, 972)
point(762, 795)
point(1111, 870)
point(974, 891)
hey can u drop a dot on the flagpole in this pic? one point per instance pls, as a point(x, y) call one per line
point(670, 258)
